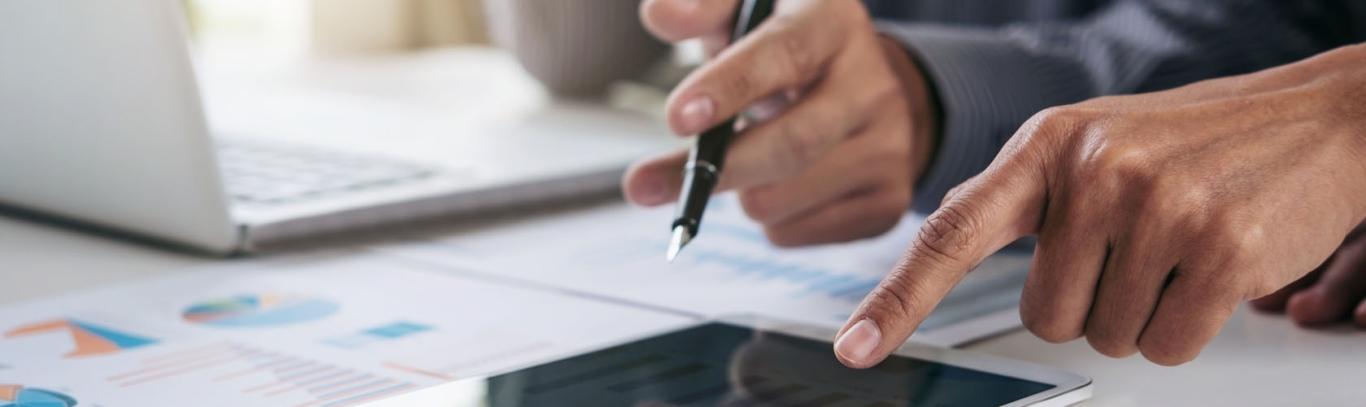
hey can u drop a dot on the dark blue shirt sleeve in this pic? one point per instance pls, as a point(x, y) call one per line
point(989, 80)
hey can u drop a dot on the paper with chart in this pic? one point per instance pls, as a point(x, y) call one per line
point(618, 251)
point(321, 333)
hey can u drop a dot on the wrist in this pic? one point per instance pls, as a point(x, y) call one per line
point(922, 106)
point(1348, 87)
point(1331, 86)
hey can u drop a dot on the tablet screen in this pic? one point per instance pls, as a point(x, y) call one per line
point(724, 365)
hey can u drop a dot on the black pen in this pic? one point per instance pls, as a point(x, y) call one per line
point(709, 151)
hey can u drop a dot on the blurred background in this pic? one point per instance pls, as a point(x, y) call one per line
point(308, 68)
point(284, 31)
point(575, 48)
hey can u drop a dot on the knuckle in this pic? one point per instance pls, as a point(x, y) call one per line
point(1118, 164)
point(794, 53)
point(1234, 241)
point(1047, 133)
point(953, 192)
point(892, 298)
point(947, 233)
point(741, 86)
point(796, 149)
point(1058, 120)
point(1171, 195)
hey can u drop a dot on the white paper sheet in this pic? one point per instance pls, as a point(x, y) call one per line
point(321, 332)
point(618, 251)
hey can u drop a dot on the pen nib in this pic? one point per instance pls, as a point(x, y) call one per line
point(680, 239)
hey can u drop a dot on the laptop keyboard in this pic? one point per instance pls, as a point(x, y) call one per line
point(269, 174)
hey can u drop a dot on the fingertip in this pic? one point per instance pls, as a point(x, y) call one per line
point(1169, 359)
point(656, 14)
point(642, 190)
point(652, 182)
point(1299, 308)
point(1359, 316)
point(857, 347)
point(1277, 301)
point(1311, 308)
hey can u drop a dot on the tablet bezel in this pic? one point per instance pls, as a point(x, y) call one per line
point(1064, 382)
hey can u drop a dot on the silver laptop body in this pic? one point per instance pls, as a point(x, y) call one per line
point(102, 123)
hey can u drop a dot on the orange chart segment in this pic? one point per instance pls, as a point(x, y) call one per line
point(89, 339)
point(9, 392)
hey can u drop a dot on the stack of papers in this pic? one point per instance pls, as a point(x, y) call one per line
point(321, 332)
point(616, 251)
point(346, 328)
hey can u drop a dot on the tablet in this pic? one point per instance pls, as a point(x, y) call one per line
point(756, 362)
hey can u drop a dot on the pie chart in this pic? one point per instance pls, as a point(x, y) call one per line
point(13, 395)
point(259, 310)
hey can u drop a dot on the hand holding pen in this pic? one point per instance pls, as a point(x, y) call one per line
point(840, 162)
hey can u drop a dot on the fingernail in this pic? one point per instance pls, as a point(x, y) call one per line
point(767, 108)
point(697, 113)
point(858, 343)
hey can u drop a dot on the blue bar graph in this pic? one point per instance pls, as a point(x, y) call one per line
point(386, 332)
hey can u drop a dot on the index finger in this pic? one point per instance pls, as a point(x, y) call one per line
point(987, 213)
point(789, 50)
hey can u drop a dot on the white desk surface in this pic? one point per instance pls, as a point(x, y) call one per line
point(1256, 360)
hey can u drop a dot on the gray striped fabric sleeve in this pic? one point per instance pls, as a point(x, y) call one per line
point(990, 80)
point(986, 87)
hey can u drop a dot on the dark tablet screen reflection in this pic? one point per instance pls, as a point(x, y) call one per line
point(724, 365)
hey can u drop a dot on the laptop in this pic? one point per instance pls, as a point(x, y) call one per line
point(102, 124)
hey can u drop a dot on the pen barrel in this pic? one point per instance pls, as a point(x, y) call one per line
point(750, 13)
point(701, 175)
point(703, 171)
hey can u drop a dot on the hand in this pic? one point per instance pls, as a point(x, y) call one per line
point(839, 163)
point(1333, 293)
point(1157, 214)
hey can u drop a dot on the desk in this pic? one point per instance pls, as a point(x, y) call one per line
point(1256, 360)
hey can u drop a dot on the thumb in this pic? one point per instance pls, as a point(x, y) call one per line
point(985, 214)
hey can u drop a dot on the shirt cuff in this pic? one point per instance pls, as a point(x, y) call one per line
point(988, 84)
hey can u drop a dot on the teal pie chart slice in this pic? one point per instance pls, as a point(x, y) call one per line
point(13, 395)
